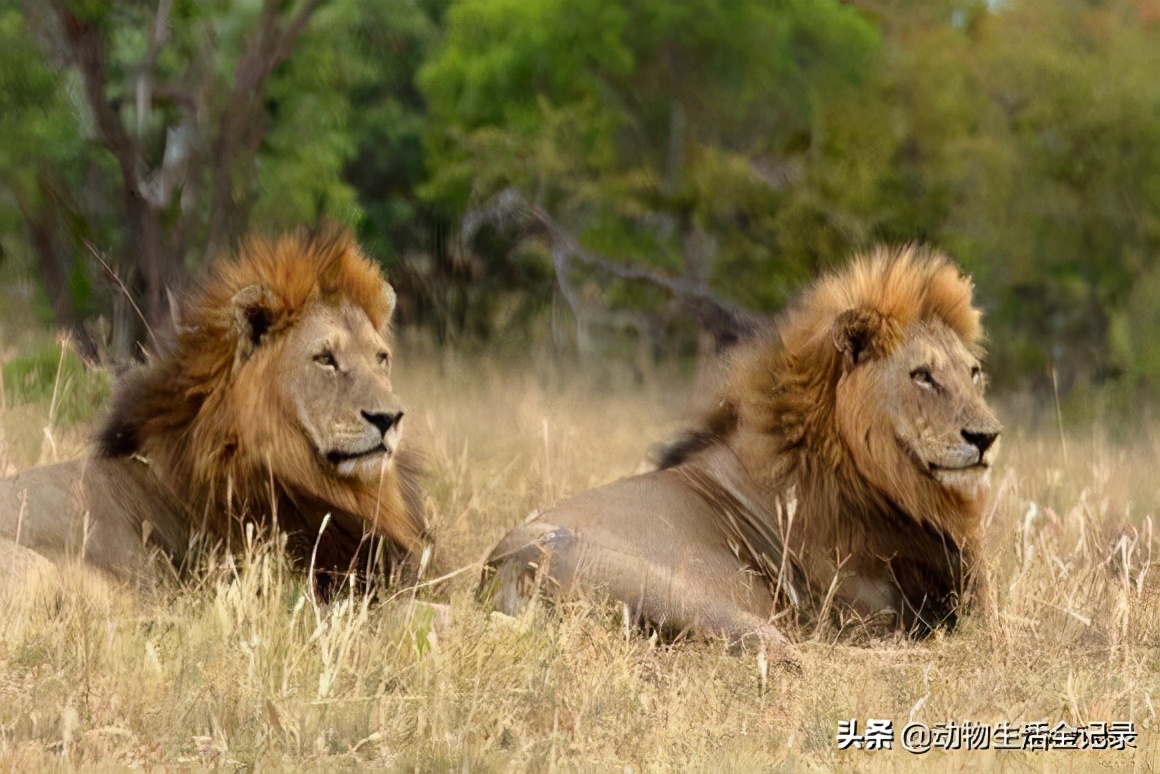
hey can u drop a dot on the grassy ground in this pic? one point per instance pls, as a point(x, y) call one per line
point(241, 671)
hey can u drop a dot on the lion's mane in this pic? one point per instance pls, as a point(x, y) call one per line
point(777, 411)
point(202, 424)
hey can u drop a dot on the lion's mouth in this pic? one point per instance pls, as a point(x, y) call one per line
point(979, 466)
point(337, 457)
point(970, 481)
point(935, 468)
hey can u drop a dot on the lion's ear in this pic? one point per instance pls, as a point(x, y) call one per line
point(255, 312)
point(389, 300)
point(858, 334)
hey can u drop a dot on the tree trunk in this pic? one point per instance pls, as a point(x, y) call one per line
point(46, 228)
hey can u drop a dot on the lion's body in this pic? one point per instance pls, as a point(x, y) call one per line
point(95, 508)
point(655, 541)
point(272, 405)
point(847, 459)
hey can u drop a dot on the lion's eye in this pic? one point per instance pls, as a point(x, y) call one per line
point(384, 358)
point(922, 377)
point(976, 374)
point(326, 360)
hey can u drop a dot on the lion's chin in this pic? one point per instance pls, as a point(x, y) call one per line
point(363, 465)
point(971, 482)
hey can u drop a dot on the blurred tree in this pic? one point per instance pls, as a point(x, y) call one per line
point(657, 134)
point(638, 160)
point(387, 125)
point(1062, 215)
point(189, 117)
point(43, 148)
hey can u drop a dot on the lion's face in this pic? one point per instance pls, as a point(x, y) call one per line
point(916, 419)
point(336, 377)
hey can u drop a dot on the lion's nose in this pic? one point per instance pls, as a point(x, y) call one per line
point(981, 441)
point(383, 420)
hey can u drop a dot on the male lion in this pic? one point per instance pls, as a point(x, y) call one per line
point(845, 466)
point(273, 404)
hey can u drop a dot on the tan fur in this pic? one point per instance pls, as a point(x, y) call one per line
point(241, 419)
point(849, 451)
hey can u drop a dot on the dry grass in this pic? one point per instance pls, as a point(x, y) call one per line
point(241, 670)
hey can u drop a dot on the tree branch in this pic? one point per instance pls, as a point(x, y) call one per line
point(86, 50)
point(270, 45)
point(724, 320)
point(157, 41)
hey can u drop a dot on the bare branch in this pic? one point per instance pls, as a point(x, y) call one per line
point(724, 320)
point(270, 46)
point(294, 30)
point(116, 278)
point(157, 186)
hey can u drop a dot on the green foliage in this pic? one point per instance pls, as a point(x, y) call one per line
point(522, 92)
point(145, 142)
point(645, 127)
point(387, 122)
point(739, 146)
point(37, 117)
point(44, 149)
point(1072, 213)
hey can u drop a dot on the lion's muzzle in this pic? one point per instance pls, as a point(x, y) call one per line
point(980, 440)
point(384, 421)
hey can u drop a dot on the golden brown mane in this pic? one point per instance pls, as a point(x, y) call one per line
point(783, 380)
point(876, 297)
point(202, 419)
point(777, 409)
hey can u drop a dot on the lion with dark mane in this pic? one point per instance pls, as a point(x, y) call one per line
point(844, 468)
point(272, 405)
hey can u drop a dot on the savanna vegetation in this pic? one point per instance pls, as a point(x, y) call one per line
point(238, 667)
point(576, 200)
